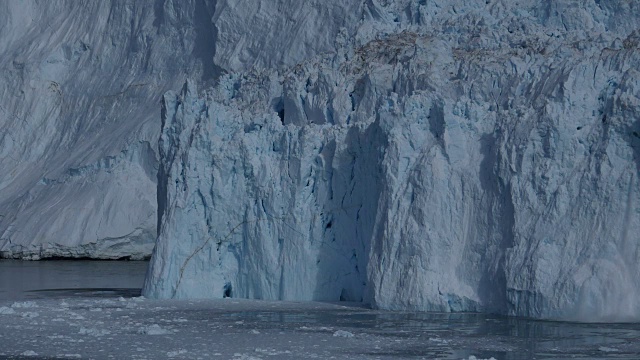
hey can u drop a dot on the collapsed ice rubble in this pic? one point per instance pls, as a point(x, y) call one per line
point(447, 156)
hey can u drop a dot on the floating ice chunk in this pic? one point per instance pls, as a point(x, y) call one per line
point(75, 316)
point(607, 349)
point(438, 340)
point(6, 311)
point(342, 333)
point(93, 332)
point(271, 352)
point(238, 356)
point(172, 354)
point(24, 305)
point(29, 353)
point(154, 329)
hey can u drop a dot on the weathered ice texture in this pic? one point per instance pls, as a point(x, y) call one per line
point(80, 84)
point(438, 155)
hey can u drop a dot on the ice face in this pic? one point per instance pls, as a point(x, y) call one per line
point(79, 87)
point(453, 157)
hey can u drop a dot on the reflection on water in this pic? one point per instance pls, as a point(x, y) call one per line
point(88, 292)
point(54, 279)
point(460, 335)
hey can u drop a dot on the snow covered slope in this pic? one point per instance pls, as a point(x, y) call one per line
point(437, 155)
point(80, 84)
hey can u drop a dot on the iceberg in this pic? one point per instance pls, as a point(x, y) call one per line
point(429, 155)
point(442, 156)
point(79, 85)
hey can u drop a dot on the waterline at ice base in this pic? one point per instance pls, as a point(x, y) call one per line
point(449, 156)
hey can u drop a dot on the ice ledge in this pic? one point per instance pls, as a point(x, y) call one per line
point(135, 246)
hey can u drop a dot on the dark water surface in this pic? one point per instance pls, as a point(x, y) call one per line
point(24, 280)
point(91, 309)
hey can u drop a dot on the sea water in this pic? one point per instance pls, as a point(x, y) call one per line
point(46, 279)
point(90, 309)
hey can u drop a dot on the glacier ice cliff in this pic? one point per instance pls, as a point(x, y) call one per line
point(411, 154)
point(80, 83)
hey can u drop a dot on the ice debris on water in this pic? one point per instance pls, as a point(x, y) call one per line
point(239, 356)
point(93, 331)
point(4, 310)
point(343, 333)
point(438, 340)
point(175, 353)
point(24, 305)
point(607, 349)
point(154, 329)
point(271, 351)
